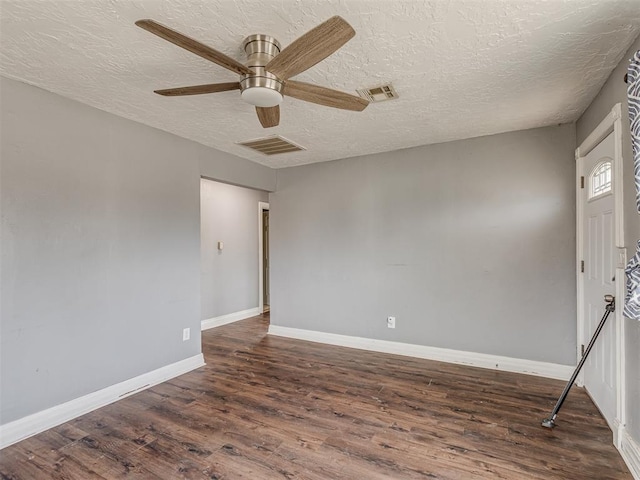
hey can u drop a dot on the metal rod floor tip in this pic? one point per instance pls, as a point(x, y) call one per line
point(550, 421)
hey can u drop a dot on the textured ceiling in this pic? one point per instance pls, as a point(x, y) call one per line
point(462, 68)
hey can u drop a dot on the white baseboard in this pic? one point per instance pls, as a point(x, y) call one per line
point(25, 427)
point(483, 360)
point(230, 318)
point(630, 451)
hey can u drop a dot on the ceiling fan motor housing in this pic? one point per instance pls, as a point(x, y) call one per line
point(262, 89)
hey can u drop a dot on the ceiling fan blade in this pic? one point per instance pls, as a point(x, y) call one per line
point(268, 116)
point(193, 46)
point(324, 96)
point(199, 89)
point(312, 47)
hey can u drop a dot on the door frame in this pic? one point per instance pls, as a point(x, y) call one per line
point(611, 123)
point(261, 206)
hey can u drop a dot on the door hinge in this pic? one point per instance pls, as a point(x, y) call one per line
point(581, 182)
point(582, 350)
point(582, 266)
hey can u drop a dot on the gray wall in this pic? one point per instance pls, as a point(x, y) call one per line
point(470, 244)
point(229, 277)
point(227, 168)
point(615, 91)
point(100, 254)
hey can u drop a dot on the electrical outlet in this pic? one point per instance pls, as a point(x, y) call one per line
point(391, 322)
point(186, 334)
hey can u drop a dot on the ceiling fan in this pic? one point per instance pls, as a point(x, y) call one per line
point(265, 79)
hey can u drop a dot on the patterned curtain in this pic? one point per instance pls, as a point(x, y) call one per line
point(633, 93)
point(632, 300)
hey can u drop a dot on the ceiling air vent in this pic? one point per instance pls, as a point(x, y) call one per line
point(379, 93)
point(273, 145)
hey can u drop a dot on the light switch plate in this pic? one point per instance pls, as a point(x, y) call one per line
point(622, 258)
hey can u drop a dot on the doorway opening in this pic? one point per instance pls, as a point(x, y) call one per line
point(263, 254)
point(229, 266)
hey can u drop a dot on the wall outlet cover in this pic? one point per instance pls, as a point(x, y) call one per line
point(186, 334)
point(391, 322)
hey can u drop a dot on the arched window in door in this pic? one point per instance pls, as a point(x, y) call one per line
point(600, 179)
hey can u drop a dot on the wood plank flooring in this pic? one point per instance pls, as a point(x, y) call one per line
point(273, 408)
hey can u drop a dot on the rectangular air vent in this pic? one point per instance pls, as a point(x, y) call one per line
point(379, 93)
point(273, 145)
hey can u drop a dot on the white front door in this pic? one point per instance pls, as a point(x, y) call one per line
point(599, 276)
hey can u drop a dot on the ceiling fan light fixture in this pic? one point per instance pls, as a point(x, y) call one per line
point(269, 67)
point(262, 96)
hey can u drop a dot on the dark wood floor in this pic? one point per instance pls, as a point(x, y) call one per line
point(273, 408)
